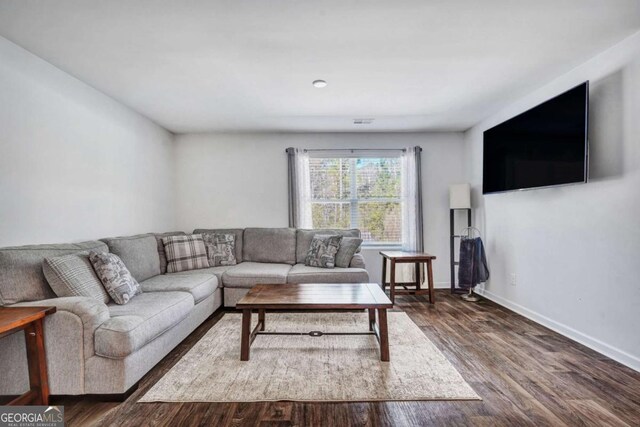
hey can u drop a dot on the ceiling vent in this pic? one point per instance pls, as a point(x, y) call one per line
point(362, 121)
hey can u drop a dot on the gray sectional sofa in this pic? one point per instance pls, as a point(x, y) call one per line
point(98, 348)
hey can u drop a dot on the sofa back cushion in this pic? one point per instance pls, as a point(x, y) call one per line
point(21, 275)
point(161, 253)
point(238, 232)
point(304, 238)
point(139, 253)
point(277, 245)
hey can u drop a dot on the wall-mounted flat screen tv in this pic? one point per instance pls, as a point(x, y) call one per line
point(544, 146)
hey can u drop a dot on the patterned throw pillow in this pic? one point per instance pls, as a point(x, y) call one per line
point(115, 276)
point(221, 248)
point(185, 253)
point(73, 276)
point(323, 250)
point(348, 248)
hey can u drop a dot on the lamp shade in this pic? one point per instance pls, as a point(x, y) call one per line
point(460, 196)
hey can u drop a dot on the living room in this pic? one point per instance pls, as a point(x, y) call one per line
point(307, 157)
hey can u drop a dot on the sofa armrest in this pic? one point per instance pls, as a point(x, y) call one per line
point(89, 312)
point(68, 335)
point(357, 261)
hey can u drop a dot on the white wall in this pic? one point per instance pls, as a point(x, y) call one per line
point(575, 249)
point(75, 164)
point(240, 180)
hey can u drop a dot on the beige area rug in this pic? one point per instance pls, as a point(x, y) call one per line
point(303, 368)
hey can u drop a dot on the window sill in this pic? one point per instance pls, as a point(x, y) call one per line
point(381, 247)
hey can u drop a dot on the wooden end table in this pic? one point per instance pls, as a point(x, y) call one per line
point(417, 258)
point(30, 319)
point(315, 296)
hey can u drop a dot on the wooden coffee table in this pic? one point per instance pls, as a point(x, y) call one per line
point(315, 296)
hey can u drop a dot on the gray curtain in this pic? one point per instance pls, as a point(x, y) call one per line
point(292, 179)
point(419, 225)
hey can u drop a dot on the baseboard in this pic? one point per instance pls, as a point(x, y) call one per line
point(614, 353)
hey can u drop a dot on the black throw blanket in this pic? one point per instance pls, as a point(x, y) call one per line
point(473, 263)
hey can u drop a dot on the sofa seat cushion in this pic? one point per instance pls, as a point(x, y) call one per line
point(301, 273)
point(249, 274)
point(216, 271)
point(139, 322)
point(200, 286)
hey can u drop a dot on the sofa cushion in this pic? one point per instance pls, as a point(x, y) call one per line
point(323, 250)
point(185, 253)
point(221, 248)
point(21, 275)
point(115, 276)
point(249, 274)
point(216, 271)
point(238, 232)
point(134, 325)
point(304, 237)
point(200, 286)
point(301, 273)
point(161, 253)
point(73, 276)
point(348, 248)
point(277, 245)
point(139, 253)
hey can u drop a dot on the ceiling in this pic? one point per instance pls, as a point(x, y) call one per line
point(248, 65)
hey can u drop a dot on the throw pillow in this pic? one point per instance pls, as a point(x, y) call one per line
point(323, 250)
point(73, 276)
point(161, 254)
point(348, 248)
point(185, 253)
point(115, 276)
point(221, 248)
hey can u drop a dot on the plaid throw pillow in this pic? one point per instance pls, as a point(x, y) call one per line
point(185, 253)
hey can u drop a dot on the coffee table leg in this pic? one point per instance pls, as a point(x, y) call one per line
point(418, 278)
point(384, 334)
point(261, 319)
point(245, 340)
point(372, 318)
point(38, 378)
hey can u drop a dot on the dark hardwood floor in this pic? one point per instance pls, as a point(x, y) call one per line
point(525, 374)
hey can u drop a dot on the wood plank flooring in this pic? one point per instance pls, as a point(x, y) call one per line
point(526, 374)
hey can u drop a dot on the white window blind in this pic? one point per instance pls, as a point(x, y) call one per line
point(358, 192)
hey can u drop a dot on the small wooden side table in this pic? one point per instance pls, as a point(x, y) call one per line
point(417, 258)
point(30, 319)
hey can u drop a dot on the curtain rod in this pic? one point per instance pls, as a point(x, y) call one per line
point(355, 149)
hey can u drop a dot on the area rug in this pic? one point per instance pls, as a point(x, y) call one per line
point(334, 368)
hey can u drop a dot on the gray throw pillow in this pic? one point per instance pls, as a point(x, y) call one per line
point(115, 276)
point(221, 248)
point(323, 250)
point(73, 276)
point(348, 248)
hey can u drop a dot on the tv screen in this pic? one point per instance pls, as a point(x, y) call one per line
point(544, 146)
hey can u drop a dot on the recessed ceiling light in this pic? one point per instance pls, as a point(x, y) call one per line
point(319, 83)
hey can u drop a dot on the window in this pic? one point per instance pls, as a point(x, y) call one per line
point(358, 192)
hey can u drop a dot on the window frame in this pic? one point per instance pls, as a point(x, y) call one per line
point(354, 201)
